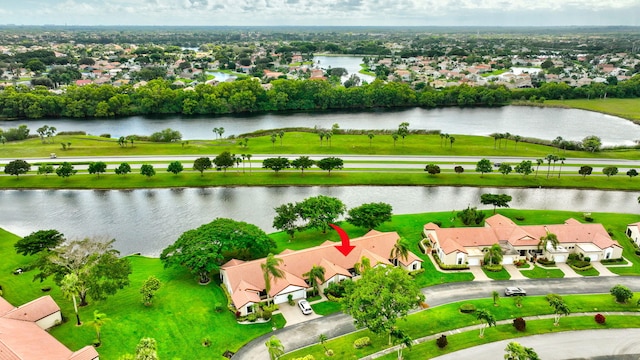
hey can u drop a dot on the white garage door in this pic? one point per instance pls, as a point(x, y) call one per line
point(507, 260)
point(559, 258)
point(594, 257)
point(474, 262)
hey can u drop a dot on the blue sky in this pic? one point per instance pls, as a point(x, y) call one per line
point(322, 12)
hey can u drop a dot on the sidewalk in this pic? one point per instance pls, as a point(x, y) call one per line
point(477, 328)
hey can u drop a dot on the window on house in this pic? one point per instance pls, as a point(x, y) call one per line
point(249, 309)
point(629, 232)
point(415, 266)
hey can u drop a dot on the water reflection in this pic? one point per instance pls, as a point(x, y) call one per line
point(146, 221)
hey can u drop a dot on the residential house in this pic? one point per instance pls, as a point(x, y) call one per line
point(633, 232)
point(467, 245)
point(245, 283)
point(23, 334)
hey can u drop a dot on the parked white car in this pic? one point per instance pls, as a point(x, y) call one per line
point(305, 307)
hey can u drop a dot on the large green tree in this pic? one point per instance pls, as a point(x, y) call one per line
point(525, 167)
point(559, 308)
point(175, 167)
point(65, 170)
point(319, 211)
point(330, 163)
point(380, 298)
point(276, 164)
point(286, 219)
point(484, 166)
point(497, 200)
point(486, 319)
point(98, 267)
point(201, 164)
point(492, 254)
point(17, 167)
point(621, 293)
point(315, 277)
point(204, 249)
point(98, 167)
point(37, 241)
point(302, 163)
point(224, 161)
point(274, 347)
point(515, 351)
point(370, 215)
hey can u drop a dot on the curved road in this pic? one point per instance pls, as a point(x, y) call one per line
point(305, 334)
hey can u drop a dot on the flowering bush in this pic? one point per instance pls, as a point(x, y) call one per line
point(600, 319)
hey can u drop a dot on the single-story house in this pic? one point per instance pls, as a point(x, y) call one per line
point(245, 283)
point(23, 332)
point(633, 232)
point(466, 245)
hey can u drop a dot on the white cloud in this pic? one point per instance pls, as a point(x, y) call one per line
point(325, 12)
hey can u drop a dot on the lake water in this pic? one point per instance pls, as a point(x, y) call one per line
point(146, 221)
point(349, 63)
point(542, 123)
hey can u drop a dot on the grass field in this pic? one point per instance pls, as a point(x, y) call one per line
point(624, 108)
point(298, 143)
point(183, 313)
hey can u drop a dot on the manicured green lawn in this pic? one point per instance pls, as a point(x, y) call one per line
point(542, 273)
point(442, 318)
point(497, 275)
point(326, 307)
point(297, 143)
point(625, 108)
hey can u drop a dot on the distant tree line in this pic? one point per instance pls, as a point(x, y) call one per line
point(248, 96)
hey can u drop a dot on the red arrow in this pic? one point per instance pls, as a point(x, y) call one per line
point(345, 248)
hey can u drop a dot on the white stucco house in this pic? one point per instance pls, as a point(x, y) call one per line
point(465, 245)
point(245, 282)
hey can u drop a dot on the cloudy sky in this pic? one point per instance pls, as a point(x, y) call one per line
point(322, 12)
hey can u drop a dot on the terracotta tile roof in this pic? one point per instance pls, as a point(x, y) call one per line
point(375, 245)
point(34, 310)
point(499, 228)
point(22, 339)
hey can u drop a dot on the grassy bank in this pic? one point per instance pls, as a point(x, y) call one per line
point(314, 178)
point(624, 108)
point(300, 143)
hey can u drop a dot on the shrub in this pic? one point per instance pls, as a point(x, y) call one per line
point(520, 217)
point(266, 315)
point(290, 300)
point(520, 324)
point(218, 307)
point(442, 341)
point(588, 259)
point(637, 252)
point(108, 136)
point(599, 318)
point(329, 352)
point(252, 317)
point(467, 308)
point(449, 267)
point(545, 261)
point(550, 297)
point(416, 272)
point(338, 289)
point(362, 342)
point(493, 268)
point(520, 263)
point(612, 261)
point(438, 222)
point(306, 357)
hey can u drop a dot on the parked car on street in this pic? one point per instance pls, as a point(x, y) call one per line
point(305, 307)
point(514, 291)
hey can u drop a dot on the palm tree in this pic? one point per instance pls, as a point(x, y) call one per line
point(315, 277)
point(99, 319)
point(362, 266)
point(441, 138)
point(271, 271)
point(249, 160)
point(549, 239)
point(516, 139)
point(561, 159)
point(452, 140)
point(395, 138)
point(400, 250)
point(493, 253)
point(370, 135)
point(496, 297)
point(559, 308)
point(323, 339)
point(549, 158)
point(275, 347)
point(486, 320)
point(539, 162)
point(70, 289)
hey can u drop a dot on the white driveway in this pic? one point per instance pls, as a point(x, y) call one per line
point(567, 270)
point(514, 272)
point(603, 270)
point(294, 315)
point(478, 274)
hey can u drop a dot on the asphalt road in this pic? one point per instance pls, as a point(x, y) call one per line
point(304, 334)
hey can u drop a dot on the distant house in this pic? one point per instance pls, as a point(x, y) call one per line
point(466, 245)
point(245, 282)
point(633, 232)
point(83, 82)
point(23, 334)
